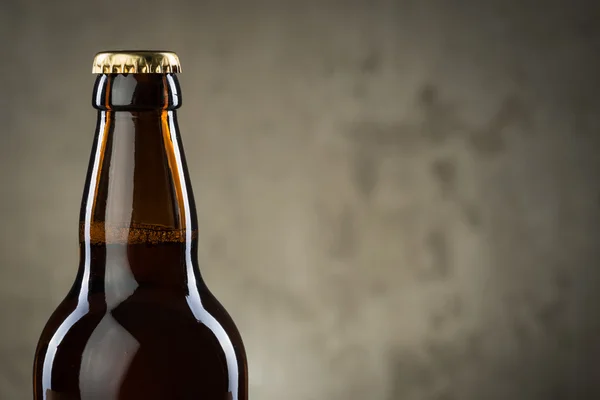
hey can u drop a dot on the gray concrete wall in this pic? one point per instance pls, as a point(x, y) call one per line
point(398, 200)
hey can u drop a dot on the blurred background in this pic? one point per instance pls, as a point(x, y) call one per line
point(398, 200)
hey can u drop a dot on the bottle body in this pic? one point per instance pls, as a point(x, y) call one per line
point(139, 322)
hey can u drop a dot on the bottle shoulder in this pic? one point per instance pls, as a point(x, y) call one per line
point(147, 308)
point(153, 335)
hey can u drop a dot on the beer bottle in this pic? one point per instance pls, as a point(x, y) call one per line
point(139, 321)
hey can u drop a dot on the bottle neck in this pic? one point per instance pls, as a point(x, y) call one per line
point(137, 188)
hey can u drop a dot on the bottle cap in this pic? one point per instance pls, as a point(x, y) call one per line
point(136, 62)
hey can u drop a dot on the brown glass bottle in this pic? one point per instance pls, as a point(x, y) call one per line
point(139, 322)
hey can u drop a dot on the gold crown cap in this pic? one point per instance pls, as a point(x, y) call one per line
point(136, 62)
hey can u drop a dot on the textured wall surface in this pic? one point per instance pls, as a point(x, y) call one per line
point(398, 200)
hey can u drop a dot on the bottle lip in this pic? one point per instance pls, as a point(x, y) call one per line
point(136, 62)
point(136, 92)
